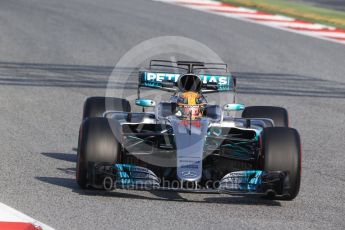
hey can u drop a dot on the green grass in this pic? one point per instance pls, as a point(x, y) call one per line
point(296, 10)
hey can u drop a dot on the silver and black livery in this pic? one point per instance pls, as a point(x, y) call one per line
point(186, 144)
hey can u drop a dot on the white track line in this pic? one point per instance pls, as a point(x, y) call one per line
point(281, 22)
point(192, 1)
point(299, 25)
point(8, 214)
point(327, 34)
point(257, 16)
point(220, 7)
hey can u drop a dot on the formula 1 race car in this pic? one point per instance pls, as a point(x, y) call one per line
point(186, 144)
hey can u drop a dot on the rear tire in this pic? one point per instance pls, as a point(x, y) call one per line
point(96, 106)
point(97, 143)
point(279, 115)
point(282, 152)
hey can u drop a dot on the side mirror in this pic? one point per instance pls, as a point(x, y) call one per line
point(233, 107)
point(143, 102)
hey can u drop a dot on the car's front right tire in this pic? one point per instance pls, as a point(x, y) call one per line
point(97, 143)
point(96, 106)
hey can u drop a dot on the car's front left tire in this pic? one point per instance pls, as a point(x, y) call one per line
point(278, 115)
point(281, 151)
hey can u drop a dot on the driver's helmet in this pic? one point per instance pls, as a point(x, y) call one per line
point(190, 105)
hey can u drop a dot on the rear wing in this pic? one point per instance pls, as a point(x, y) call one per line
point(164, 75)
point(168, 81)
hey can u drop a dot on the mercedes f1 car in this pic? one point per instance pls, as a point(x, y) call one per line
point(186, 144)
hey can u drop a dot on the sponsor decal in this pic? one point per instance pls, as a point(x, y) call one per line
point(189, 174)
point(160, 77)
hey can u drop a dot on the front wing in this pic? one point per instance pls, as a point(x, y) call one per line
point(249, 182)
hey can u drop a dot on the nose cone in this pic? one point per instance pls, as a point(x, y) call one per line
point(190, 141)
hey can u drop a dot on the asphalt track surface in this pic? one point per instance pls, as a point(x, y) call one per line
point(55, 53)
